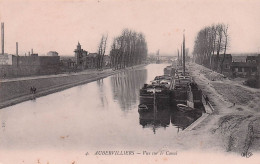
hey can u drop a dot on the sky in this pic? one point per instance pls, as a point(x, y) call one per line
point(52, 25)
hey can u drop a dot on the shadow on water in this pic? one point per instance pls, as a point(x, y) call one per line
point(182, 120)
point(99, 115)
point(102, 95)
point(160, 115)
point(126, 85)
point(155, 118)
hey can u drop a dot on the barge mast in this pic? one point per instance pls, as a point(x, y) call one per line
point(183, 54)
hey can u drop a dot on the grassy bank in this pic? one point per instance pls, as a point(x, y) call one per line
point(18, 90)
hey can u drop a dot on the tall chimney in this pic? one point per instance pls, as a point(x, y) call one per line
point(29, 53)
point(16, 48)
point(32, 51)
point(2, 35)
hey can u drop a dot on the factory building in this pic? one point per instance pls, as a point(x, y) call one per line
point(16, 66)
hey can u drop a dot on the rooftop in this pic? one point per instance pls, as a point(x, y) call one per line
point(243, 64)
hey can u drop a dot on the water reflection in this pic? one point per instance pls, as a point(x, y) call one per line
point(102, 95)
point(161, 116)
point(96, 116)
point(155, 119)
point(156, 112)
point(126, 85)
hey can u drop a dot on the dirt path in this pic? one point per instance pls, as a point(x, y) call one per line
point(234, 124)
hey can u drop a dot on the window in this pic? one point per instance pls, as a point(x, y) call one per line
point(239, 69)
point(254, 69)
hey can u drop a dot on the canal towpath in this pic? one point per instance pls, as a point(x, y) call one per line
point(236, 113)
point(17, 90)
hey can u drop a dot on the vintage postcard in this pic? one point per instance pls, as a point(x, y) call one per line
point(129, 81)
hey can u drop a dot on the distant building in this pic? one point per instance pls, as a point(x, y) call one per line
point(243, 69)
point(35, 55)
point(31, 65)
point(67, 63)
point(52, 53)
point(92, 59)
point(5, 59)
point(253, 59)
point(80, 56)
point(238, 68)
point(246, 69)
point(85, 60)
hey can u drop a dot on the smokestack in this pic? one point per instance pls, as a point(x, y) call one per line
point(29, 53)
point(32, 51)
point(2, 35)
point(16, 48)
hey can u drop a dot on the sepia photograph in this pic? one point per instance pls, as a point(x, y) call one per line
point(130, 81)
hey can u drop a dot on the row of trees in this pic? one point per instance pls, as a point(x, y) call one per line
point(209, 43)
point(101, 51)
point(128, 49)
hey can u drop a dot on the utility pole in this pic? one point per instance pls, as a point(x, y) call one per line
point(3, 41)
point(184, 53)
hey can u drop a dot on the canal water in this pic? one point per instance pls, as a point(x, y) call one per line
point(101, 115)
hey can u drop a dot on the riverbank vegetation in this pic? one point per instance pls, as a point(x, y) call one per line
point(209, 43)
point(128, 49)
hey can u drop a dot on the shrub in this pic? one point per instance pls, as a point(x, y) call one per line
point(253, 82)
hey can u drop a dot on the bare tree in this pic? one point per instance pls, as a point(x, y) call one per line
point(101, 51)
point(209, 40)
point(128, 49)
point(213, 43)
point(225, 32)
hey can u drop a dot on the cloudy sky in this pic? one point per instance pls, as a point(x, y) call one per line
point(58, 25)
